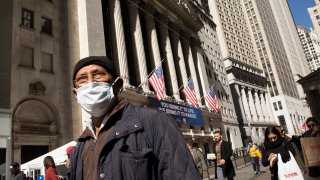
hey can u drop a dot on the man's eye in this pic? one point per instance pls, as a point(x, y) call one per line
point(98, 74)
point(82, 78)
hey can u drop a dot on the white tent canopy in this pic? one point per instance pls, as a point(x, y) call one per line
point(59, 155)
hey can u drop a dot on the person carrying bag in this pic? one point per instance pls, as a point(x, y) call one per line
point(289, 170)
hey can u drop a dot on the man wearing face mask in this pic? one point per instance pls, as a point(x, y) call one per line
point(121, 141)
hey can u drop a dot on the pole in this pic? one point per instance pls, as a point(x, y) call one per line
point(151, 73)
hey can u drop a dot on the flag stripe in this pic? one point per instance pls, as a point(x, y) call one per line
point(156, 80)
point(212, 100)
point(190, 93)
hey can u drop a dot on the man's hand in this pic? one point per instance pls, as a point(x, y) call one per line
point(222, 161)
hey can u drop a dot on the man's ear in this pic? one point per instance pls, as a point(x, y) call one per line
point(74, 92)
point(117, 84)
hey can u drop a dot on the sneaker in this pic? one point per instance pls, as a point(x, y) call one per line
point(259, 172)
point(255, 172)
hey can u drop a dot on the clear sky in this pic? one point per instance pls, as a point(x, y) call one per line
point(300, 12)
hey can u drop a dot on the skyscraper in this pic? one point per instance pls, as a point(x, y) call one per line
point(314, 13)
point(282, 59)
point(311, 46)
point(245, 75)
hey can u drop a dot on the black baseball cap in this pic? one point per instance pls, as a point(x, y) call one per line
point(102, 61)
point(14, 166)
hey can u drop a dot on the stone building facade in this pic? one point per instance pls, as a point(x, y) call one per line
point(246, 79)
point(214, 72)
point(282, 59)
point(311, 46)
point(40, 85)
point(50, 36)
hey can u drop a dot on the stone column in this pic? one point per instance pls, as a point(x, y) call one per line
point(119, 45)
point(252, 107)
point(138, 50)
point(258, 105)
point(168, 56)
point(263, 106)
point(152, 39)
point(193, 71)
point(245, 104)
point(239, 101)
point(269, 110)
point(178, 54)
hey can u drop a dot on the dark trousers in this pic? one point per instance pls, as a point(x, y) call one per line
point(255, 164)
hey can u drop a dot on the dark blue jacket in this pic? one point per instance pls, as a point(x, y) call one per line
point(142, 143)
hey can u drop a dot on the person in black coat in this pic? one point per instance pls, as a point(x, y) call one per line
point(313, 131)
point(122, 141)
point(223, 164)
point(274, 144)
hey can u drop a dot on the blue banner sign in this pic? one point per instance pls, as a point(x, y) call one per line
point(182, 114)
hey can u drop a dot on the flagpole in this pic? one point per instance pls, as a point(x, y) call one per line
point(151, 73)
point(181, 87)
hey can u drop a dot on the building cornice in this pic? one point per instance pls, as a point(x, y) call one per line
point(180, 12)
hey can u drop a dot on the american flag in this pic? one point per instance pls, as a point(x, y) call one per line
point(212, 100)
point(156, 80)
point(190, 93)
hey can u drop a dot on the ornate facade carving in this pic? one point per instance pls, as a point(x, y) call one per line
point(37, 89)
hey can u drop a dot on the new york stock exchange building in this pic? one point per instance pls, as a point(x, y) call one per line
point(49, 37)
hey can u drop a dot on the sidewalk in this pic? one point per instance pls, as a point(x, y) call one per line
point(244, 173)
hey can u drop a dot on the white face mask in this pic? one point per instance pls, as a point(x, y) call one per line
point(96, 98)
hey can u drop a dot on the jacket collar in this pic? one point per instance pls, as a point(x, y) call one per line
point(128, 123)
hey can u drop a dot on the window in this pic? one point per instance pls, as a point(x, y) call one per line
point(26, 56)
point(47, 63)
point(275, 106)
point(27, 18)
point(317, 17)
point(46, 25)
point(279, 104)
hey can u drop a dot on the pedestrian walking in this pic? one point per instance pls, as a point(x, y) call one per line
point(313, 131)
point(278, 154)
point(255, 155)
point(198, 158)
point(50, 167)
point(122, 141)
point(16, 173)
point(223, 165)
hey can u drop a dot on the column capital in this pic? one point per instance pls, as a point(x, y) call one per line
point(185, 34)
point(175, 27)
point(195, 42)
point(134, 2)
point(149, 8)
point(162, 18)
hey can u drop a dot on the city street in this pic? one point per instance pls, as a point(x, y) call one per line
point(245, 173)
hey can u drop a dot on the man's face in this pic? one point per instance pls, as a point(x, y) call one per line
point(250, 144)
point(217, 137)
point(313, 126)
point(91, 73)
